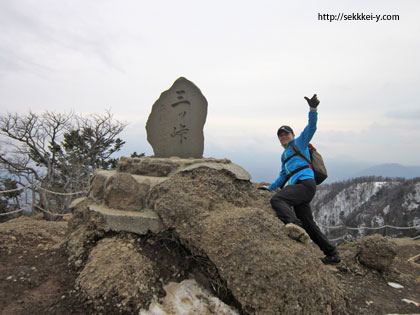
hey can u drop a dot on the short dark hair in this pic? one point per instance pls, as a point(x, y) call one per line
point(285, 128)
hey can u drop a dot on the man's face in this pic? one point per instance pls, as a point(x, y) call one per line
point(285, 137)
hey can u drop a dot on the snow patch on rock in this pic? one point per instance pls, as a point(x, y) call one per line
point(349, 199)
point(378, 220)
point(188, 298)
point(412, 199)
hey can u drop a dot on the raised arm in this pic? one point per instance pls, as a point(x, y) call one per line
point(306, 136)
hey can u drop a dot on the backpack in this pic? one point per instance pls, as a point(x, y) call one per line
point(316, 163)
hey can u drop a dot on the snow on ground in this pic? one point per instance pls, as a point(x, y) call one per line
point(188, 298)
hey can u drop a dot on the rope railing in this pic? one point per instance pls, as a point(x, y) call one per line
point(11, 212)
point(332, 227)
point(337, 239)
point(61, 193)
point(32, 187)
point(51, 213)
point(39, 208)
point(347, 228)
point(370, 228)
point(13, 190)
point(385, 226)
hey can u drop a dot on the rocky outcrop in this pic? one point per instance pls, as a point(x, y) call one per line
point(209, 223)
point(228, 224)
point(121, 197)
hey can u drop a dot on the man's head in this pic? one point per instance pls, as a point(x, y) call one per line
point(285, 134)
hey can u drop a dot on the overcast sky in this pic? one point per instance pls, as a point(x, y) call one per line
point(253, 60)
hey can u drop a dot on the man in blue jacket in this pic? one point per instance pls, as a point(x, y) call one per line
point(292, 203)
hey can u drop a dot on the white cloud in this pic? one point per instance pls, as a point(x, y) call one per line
point(254, 62)
point(404, 114)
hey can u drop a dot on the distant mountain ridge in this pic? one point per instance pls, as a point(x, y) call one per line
point(368, 203)
point(339, 170)
point(391, 170)
point(265, 167)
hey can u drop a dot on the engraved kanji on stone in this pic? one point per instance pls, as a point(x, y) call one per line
point(181, 99)
point(175, 125)
point(181, 131)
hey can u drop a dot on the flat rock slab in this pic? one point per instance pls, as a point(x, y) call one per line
point(129, 221)
point(175, 125)
point(232, 168)
point(166, 167)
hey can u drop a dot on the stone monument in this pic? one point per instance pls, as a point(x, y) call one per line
point(175, 125)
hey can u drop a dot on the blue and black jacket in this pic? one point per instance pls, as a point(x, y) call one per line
point(296, 162)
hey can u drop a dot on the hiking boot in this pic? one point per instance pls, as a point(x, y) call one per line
point(297, 233)
point(331, 260)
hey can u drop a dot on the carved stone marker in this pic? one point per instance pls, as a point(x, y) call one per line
point(175, 125)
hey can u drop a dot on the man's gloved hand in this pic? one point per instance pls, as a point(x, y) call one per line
point(313, 102)
point(263, 188)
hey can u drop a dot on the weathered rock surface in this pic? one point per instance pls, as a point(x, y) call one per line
point(166, 167)
point(376, 251)
point(118, 200)
point(129, 187)
point(225, 221)
point(222, 229)
point(84, 229)
point(175, 125)
point(29, 247)
point(129, 221)
point(122, 191)
point(118, 278)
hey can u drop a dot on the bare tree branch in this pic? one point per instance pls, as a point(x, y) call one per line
point(59, 151)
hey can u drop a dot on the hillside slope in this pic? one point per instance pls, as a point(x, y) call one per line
point(369, 203)
point(36, 278)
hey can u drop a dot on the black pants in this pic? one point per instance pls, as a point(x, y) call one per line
point(299, 196)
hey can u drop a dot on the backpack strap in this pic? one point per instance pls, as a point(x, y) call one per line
point(296, 150)
point(293, 173)
point(300, 154)
point(289, 157)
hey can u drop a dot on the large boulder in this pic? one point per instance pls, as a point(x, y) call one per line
point(226, 224)
point(122, 191)
point(376, 252)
